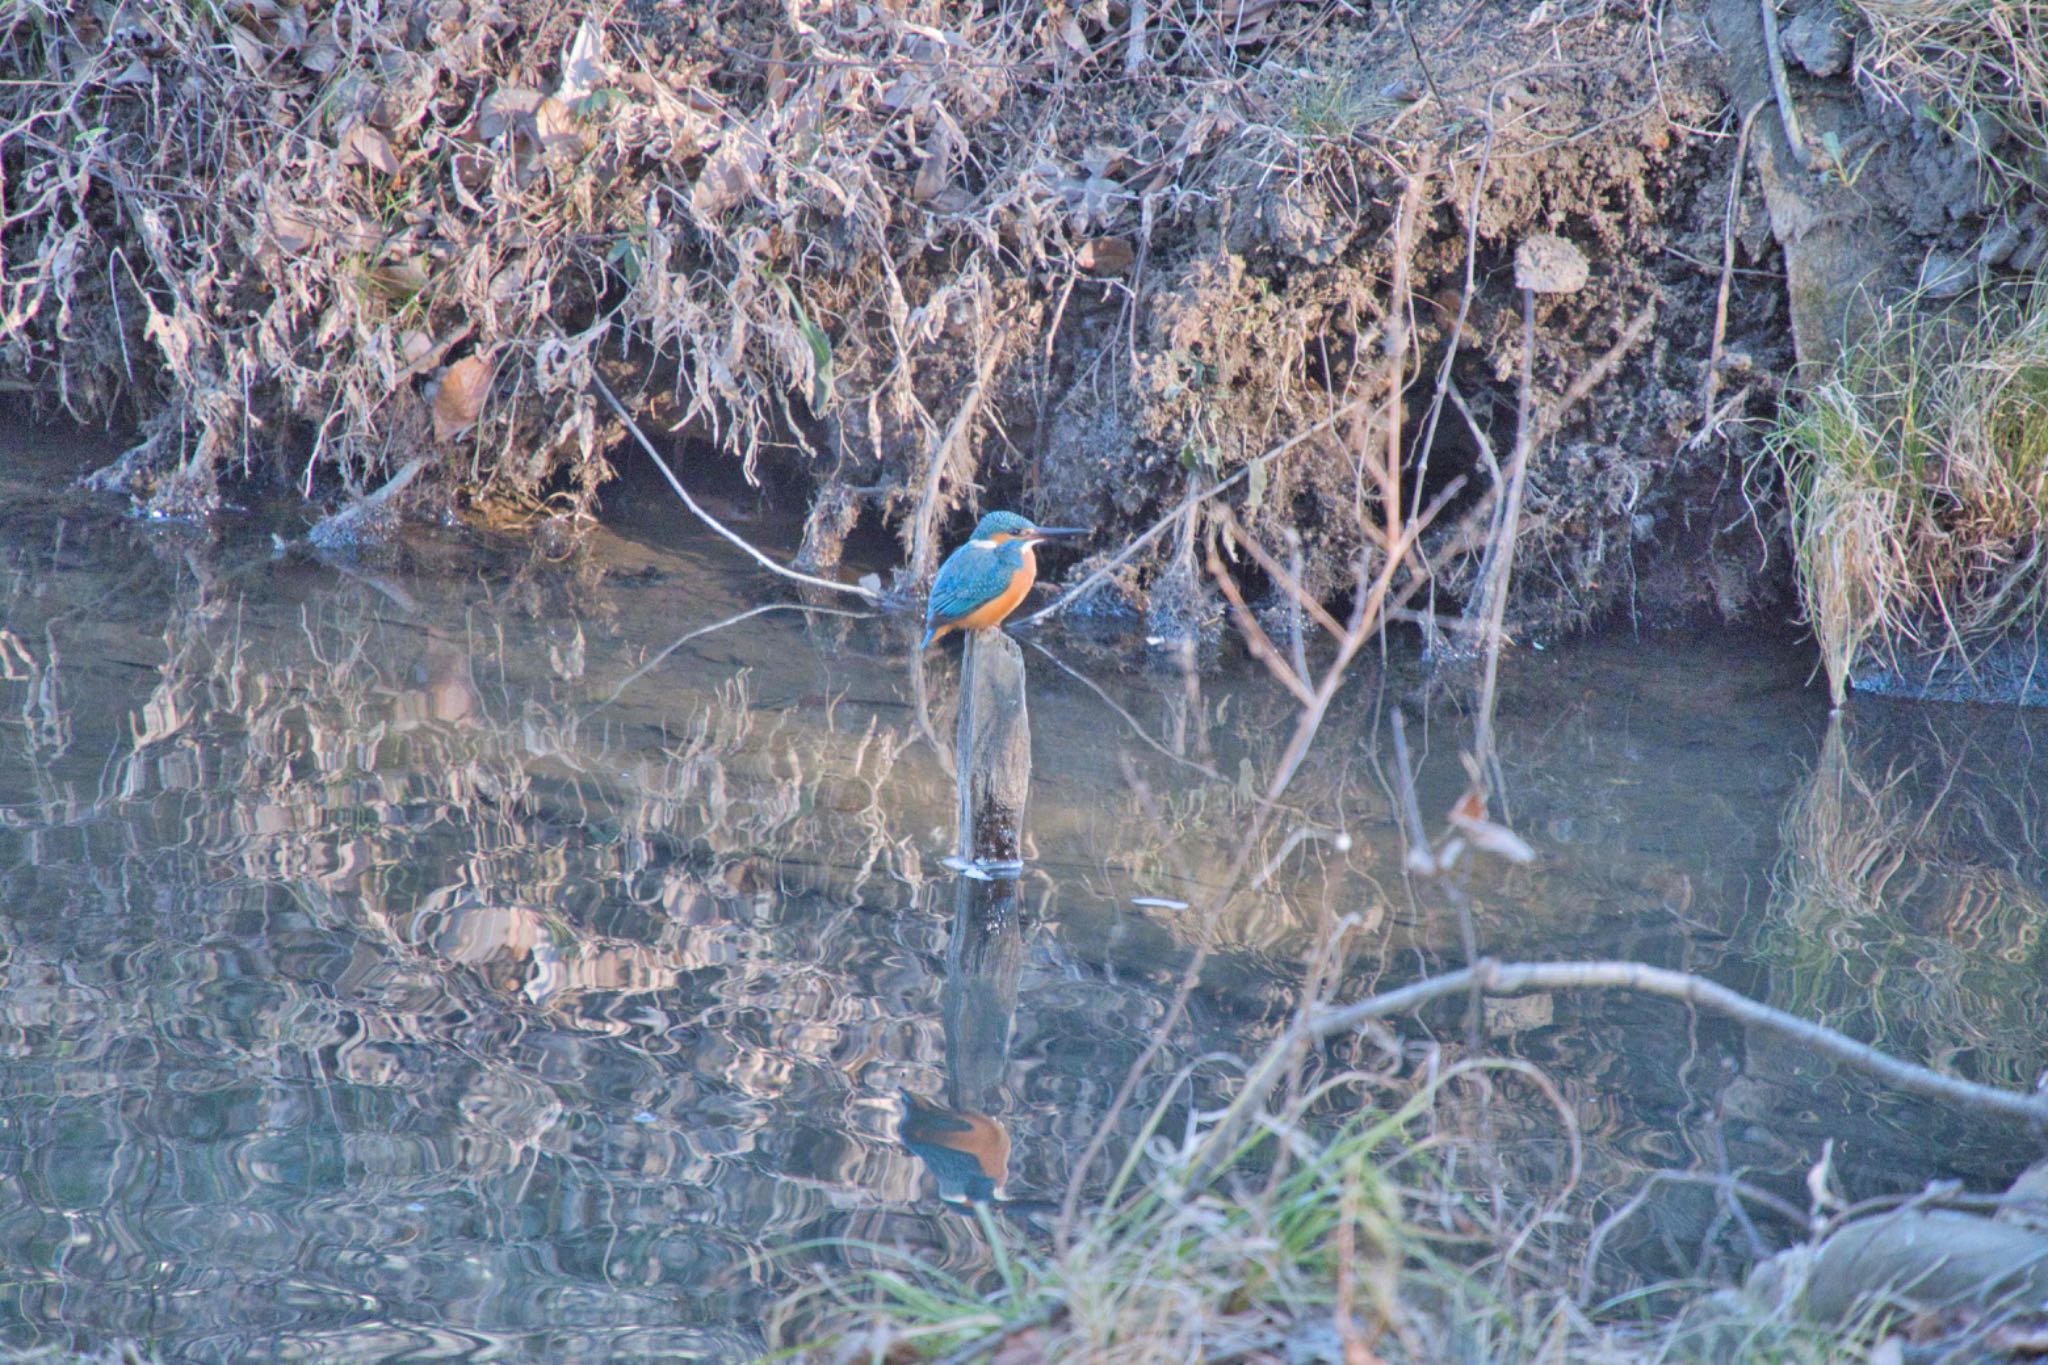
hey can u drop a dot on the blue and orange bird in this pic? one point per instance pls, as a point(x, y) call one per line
point(968, 1153)
point(982, 582)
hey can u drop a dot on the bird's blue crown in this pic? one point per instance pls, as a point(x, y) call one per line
point(1001, 524)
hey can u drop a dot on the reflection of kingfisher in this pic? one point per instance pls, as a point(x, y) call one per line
point(969, 1153)
point(983, 581)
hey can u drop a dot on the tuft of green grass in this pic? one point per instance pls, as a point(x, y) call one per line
point(1918, 479)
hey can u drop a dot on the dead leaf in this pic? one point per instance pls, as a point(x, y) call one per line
point(936, 172)
point(505, 109)
point(470, 172)
point(321, 57)
point(251, 51)
point(365, 146)
point(583, 67)
point(729, 173)
point(1104, 257)
point(460, 399)
point(506, 284)
point(291, 229)
point(1488, 837)
point(557, 130)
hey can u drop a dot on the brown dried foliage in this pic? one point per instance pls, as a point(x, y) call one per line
point(1114, 252)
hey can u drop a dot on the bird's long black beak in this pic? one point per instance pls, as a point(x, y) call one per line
point(1056, 532)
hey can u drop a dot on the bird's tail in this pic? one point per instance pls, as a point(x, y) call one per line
point(931, 634)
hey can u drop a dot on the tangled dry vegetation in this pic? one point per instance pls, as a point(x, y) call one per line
point(1918, 475)
point(1084, 256)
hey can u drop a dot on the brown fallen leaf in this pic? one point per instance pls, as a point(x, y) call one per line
point(291, 229)
point(365, 146)
point(460, 399)
point(504, 109)
point(1103, 257)
point(556, 128)
point(936, 172)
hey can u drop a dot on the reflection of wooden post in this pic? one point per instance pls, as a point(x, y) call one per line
point(983, 960)
point(994, 748)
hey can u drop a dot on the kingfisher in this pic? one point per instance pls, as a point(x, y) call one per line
point(982, 582)
point(968, 1153)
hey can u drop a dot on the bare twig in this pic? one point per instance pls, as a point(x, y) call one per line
point(1287, 578)
point(923, 550)
point(1158, 528)
point(1257, 642)
point(1729, 1187)
point(1499, 559)
point(1782, 88)
point(1419, 857)
point(1515, 978)
point(1710, 382)
point(1135, 55)
point(1128, 719)
point(714, 523)
point(1388, 476)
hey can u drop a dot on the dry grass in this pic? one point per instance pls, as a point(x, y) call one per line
point(1919, 486)
point(391, 230)
point(1978, 68)
point(1368, 1237)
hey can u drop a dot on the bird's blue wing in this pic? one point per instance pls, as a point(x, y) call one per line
point(954, 594)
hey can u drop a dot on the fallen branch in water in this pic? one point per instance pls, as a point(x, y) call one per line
point(865, 594)
point(1514, 978)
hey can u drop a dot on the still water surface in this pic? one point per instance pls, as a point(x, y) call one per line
point(453, 953)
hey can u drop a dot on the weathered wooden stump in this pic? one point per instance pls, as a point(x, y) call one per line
point(993, 767)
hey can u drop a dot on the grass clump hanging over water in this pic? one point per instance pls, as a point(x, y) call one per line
point(1918, 478)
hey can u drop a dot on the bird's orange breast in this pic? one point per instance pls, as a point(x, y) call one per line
point(993, 612)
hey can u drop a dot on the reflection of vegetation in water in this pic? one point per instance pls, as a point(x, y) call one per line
point(1908, 909)
point(417, 928)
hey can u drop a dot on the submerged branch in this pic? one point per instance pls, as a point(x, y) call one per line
point(1514, 978)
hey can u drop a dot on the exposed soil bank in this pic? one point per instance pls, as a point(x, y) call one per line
point(1083, 259)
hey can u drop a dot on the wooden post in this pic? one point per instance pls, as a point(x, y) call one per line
point(993, 769)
